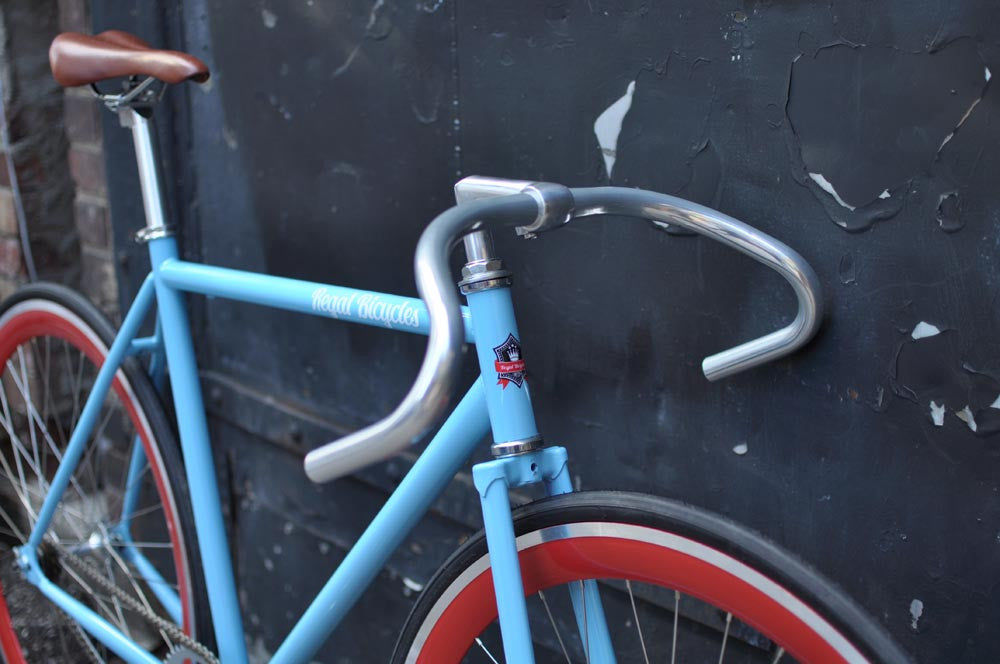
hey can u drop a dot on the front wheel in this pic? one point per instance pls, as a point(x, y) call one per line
point(676, 584)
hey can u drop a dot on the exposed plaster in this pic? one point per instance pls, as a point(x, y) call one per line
point(827, 186)
point(608, 126)
point(916, 610)
point(923, 330)
point(966, 416)
point(937, 414)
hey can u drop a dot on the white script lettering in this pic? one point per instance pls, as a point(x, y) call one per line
point(366, 307)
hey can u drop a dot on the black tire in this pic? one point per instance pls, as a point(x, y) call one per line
point(58, 300)
point(670, 517)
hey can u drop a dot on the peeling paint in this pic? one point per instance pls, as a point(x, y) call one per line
point(966, 416)
point(923, 329)
point(608, 126)
point(827, 186)
point(890, 111)
point(430, 6)
point(741, 449)
point(949, 212)
point(937, 414)
point(916, 610)
point(932, 372)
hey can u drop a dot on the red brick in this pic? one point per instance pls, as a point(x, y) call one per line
point(8, 216)
point(87, 167)
point(10, 257)
point(83, 120)
point(92, 221)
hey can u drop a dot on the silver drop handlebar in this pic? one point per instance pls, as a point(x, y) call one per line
point(533, 208)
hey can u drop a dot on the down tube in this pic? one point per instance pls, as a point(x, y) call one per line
point(468, 424)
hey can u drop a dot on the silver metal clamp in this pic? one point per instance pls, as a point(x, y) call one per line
point(555, 202)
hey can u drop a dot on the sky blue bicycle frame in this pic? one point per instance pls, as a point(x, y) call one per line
point(497, 402)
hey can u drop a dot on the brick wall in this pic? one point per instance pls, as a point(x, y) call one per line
point(57, 146)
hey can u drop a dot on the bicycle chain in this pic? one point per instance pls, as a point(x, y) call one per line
point(172, 630)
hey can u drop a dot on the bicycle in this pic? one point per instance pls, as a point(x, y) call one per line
point(89, 442)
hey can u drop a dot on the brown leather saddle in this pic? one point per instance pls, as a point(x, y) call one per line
point(78, 59)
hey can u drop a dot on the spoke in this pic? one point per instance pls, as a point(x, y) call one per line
point(95, 439)
point(9, 426)
point(677, 612)
point(114, 599)
point(638, 627)
point(76, 391)
point(27, 400)
point(98, 597)
point(10, 522)
point(121, 497)
point(33, 413)
point(145, 510)
point(48, 405)
point(586, 626)
point(555, 628)
point(725, 637)
point(149, 545)
point(22, 490)
point(778, 655)
point(486, 650)
point(135, 586)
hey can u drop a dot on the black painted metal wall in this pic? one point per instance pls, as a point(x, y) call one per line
point(864, 136)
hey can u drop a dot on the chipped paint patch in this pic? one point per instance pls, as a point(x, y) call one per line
point(411, 586)
point(269, 18)
point(885, 194)
point(987, 74)
point(966, 416)
point(916, 610)
point(937, 414)
point(608, 126)
point(924, 330)
point(827, 186)
point(741, 449)
point(996, 404)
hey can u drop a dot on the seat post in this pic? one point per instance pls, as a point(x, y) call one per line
point(149, 173)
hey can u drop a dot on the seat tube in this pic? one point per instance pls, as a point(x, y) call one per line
point(199, 465)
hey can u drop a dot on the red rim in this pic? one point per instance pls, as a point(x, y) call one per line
point(554, 563)
point(34, 323)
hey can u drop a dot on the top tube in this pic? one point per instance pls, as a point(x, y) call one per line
point(394, 312)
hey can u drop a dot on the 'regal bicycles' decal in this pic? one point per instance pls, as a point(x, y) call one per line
point(509, 365)
point(366, 306)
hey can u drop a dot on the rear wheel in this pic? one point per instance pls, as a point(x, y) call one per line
point(676, 584)
point(52, 344)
